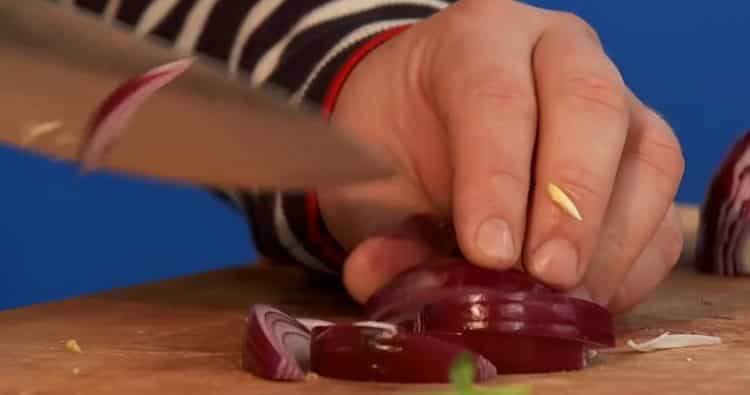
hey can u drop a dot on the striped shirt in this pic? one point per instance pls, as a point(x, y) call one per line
point(300, 46)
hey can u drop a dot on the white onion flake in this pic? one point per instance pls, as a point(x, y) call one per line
point(667, 341)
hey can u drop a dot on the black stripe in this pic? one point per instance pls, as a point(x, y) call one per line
point(273, 28)
point(222, 27)
point(131, 10)
point(96, 6)
point(310, 46)
point(171, 25)
point(260, 211)
point(318, 88)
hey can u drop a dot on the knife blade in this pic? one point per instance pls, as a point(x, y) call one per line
point(206, 127)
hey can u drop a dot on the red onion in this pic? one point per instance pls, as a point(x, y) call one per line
point(410, 291)
point(276, 346)
point(553, 316)
point(505, 320)
point(367, 353)
point(520, 332)
point(113, 114)
point(723, 246)
point(517, 323)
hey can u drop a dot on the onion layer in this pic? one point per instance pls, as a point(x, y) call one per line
point(276, 346)
point(366, 353)
point(116, 110)
point(551, 316)
point(411, 290)
point(722, 245)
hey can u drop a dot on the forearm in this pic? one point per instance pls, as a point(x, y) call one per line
point(304, 47)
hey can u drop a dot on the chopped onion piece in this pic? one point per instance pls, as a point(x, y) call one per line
point(115, 111)
point(375, 353)
point(276, 346)
point(668, 341)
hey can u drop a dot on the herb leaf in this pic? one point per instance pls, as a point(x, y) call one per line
point(462, 374)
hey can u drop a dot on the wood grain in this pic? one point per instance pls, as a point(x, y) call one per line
point(183, 337)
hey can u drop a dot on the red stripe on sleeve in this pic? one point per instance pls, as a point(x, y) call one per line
point(329, 248)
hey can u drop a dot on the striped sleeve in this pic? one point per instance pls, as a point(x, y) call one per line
point(305, 47)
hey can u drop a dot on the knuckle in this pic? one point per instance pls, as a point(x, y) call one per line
point(574, 21)
point(509, 180)
point(660, 150)
point(672, 241)
point(496, 87)
point(581, 184)
point(598, 93)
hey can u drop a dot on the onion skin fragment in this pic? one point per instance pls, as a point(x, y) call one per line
point(721, 234)
point(376, 354)
point(112, 115)
point(406, 294)
point(275, 346)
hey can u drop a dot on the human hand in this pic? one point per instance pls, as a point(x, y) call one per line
point(480, 108)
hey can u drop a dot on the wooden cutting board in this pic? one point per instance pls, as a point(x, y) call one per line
point(183, 337)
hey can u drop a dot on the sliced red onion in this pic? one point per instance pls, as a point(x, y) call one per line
point(517, 354)
point(376, 353)
point(524, 314)
point(113, 114)
point(405, 295)
point(276, 346)
point(722, 236)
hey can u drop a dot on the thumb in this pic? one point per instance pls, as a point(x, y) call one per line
point(380, 258)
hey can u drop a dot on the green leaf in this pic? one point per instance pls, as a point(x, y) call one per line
point(462, 374)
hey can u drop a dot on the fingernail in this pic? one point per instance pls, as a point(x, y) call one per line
point(556, 262)
point(494, 239)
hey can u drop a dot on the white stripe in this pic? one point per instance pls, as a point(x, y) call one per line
point(328, 12)
point(290, 242)
point(253, 20)
point(111, 10)
point(237, 199)
point(346, 42)
point(194, 25)
point(154, 14)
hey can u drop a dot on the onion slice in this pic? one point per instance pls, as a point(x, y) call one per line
point(276, 346)
point(550, 316)
point(668, 341)
point(377, 353)
point(406, 294)
point(116, 110)
point(722, 233)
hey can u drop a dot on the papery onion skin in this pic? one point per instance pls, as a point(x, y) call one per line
point(408, 292)
point(361, 353)
point(275, 346)
point(721, 213)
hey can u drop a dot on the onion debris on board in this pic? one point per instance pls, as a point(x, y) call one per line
point(115, 111)
point(426, 318)
point(723, 245)
point(667, 341)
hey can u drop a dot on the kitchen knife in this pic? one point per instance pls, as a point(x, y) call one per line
point(206, 127)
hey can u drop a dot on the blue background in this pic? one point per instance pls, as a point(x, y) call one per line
point(64, 236)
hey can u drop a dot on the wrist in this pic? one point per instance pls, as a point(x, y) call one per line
point(357, 101)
